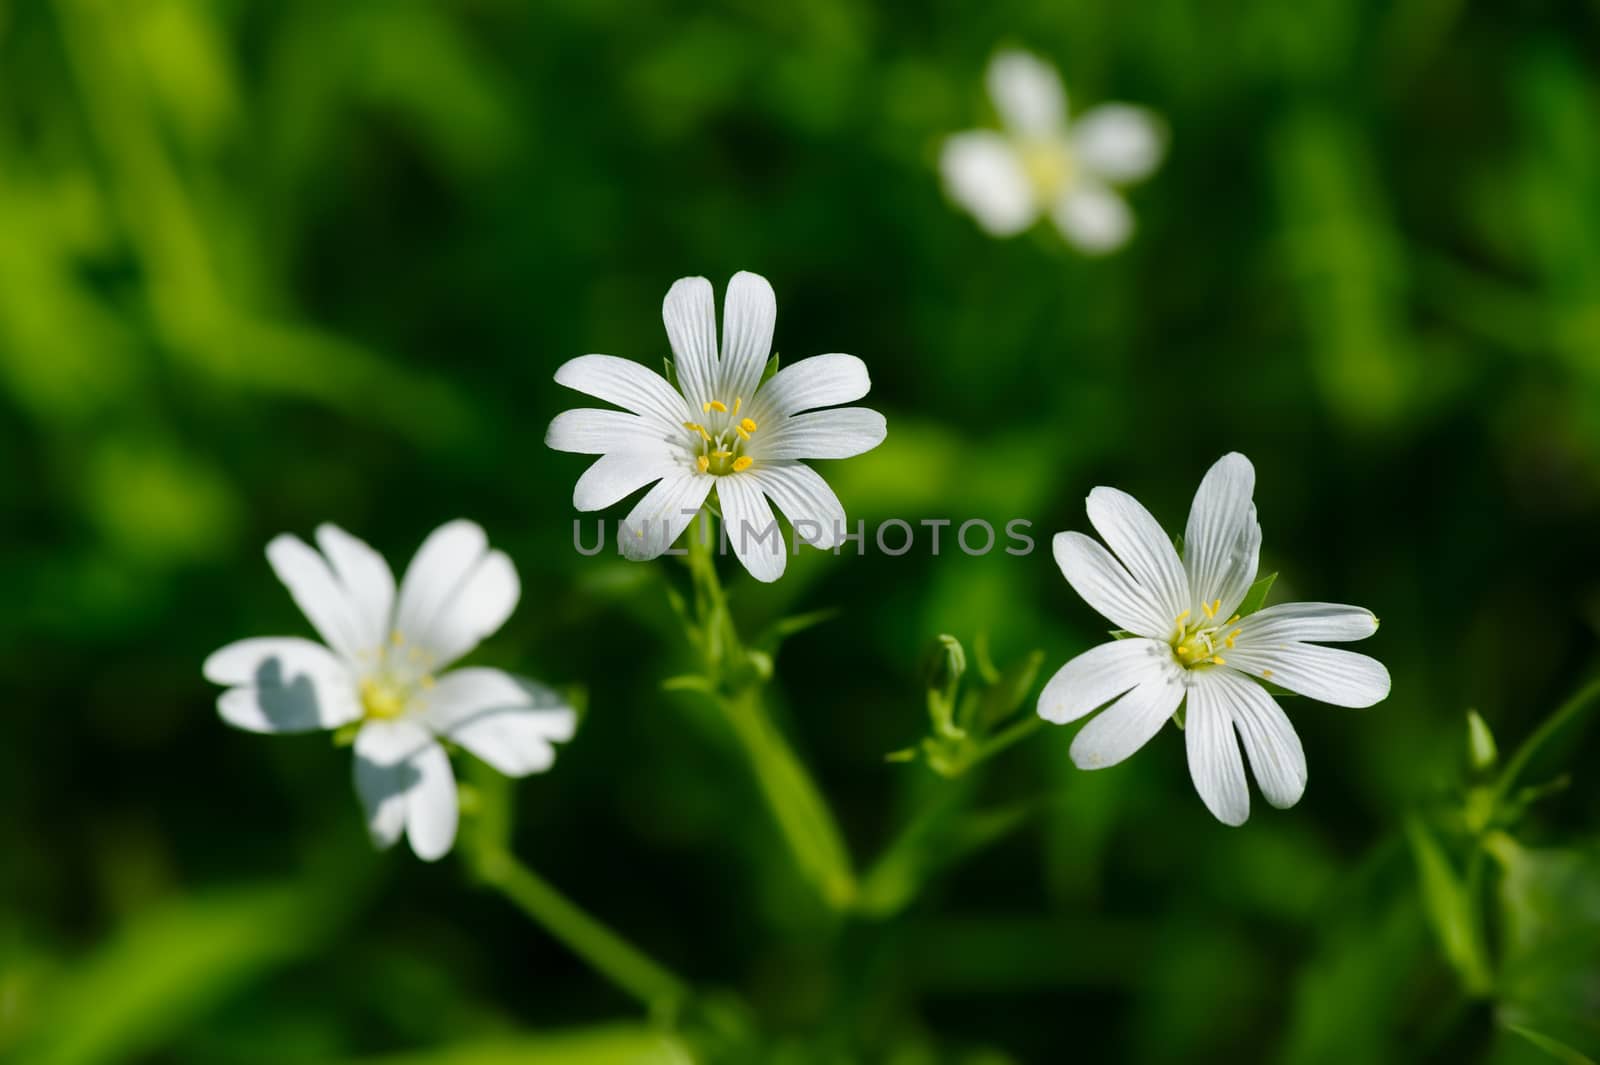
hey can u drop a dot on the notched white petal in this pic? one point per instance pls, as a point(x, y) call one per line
point(282, 684)
point(1027, 93)
point(1119, 142)
point(1092, 218)
point(1099, 675)
point(983, 174)
point(1129, 723)
point(1102, 582)
point(510, 722)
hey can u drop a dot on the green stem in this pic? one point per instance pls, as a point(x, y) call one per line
point(605, 952)
point(1568, 710)
point(808, 825)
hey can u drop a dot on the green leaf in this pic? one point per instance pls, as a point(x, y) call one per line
point(1448, 907)
point(612, 1044)
point(1256, 597)
point(1002, 698)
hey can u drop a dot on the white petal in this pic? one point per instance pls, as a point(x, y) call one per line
point(318, 594)
point(1027, 93)
point(820, 381)
point(805, 499)
point(1327, 674)
point(456, 592)
point(690, 314)
point(383, 774)
point(1118, 142)
point(1329, 622)
point(1106, 586)
point(1222, 542)
point(1214, 762)
point(983, 175)
point(1092, 218)
point(1129, 723)
point(282, 684)
point(820, 434)
point(629, 385)
point(432, 805)
point(751, 529)
point(367, 580)
point(587, 431)
point(664, 512)
point(749, 315)
point(614, 477)
point(1140, 545)
point(1276, 756)
point(1099, 675)
point(509, 722)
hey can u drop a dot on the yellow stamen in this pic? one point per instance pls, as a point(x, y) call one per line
point(748, 424)
point(1218, 660)
point(716, 405)
point(1231, 635)
point(1216, 608)
point(1230, 621)
point(1209, 610)
point(737, 400)
point(696, 427)
point(743, 435)
point(1182, 616)
point(742, 463)
point(702, 462)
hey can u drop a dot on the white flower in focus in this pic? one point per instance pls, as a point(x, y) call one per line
point(381, 667)
point(1190, 645)
point(1039, 164)
point(726, 430)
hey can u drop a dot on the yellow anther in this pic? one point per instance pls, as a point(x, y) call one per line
point(722, 454)
point(737, 400)
point(1216, 608)
point(1231, 635)
point(742, 463)
point(716, 405)
point(1181, 617)
point(740, 429)
point(702, 462)
point(1183, 649)
point(1209, 610)
point(696, 427)
point(748, 424)
point(1230, 621)
point(1218, 660)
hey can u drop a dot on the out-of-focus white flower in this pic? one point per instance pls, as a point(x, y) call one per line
point(379, 666)
point(1039, 163)
point(1189, 644)
point(727, 429)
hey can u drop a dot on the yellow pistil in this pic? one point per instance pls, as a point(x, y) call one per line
point(380, 701)
point(715, 405)
point(702, 462)
point(743, 462)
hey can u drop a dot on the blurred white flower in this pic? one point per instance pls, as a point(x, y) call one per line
point(379, 665)
point(1041, 164)
point(1188, 643)
point(726, 429)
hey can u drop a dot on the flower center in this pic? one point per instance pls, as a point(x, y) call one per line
point(719, 442)
point(388, 691)
point(1200, 643)
point(1048, 164)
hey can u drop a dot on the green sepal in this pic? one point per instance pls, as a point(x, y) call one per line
point(1256, 597)
point(669, 370)
point(770, 369)
point(1481, 751)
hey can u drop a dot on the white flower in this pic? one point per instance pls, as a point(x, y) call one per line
point(381, 667)
point(1190, 644)
point(727, 429)
point(1040, 164)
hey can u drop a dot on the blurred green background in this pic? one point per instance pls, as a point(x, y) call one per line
point(266, 265)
